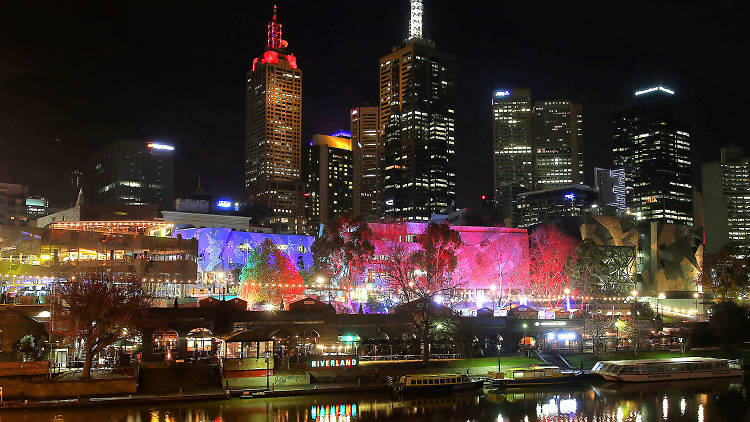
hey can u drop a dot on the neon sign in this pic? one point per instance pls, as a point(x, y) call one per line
point(502, 93)
point(570, 196)
point(331, 362)
point(165, 147)
point(223, 203)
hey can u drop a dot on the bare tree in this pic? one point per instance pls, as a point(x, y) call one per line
point(419, 274)
point(98, 312)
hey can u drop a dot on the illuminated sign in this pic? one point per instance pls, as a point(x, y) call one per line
point(571, 196)
point(165, 147)
point(223, 203)
point(332, 362)
point(342, 134)
point(349, 338)
point(655, 88)
point(502, 93)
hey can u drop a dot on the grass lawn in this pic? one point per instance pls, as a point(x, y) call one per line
point(590, 359)
point(507, 362)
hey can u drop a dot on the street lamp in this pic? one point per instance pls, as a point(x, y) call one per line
point(696, 296)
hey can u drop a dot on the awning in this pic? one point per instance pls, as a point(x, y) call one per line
point(246, 336)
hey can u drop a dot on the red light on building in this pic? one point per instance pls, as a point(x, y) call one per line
point(270, 57)
point(484, 197)
point(255, 60)
point(292, 61)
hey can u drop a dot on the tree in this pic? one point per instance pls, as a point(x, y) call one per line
point(420, 276)
point(30, 348)
point(550, 252)
point(587, 269)
point(343, 250)
point(270, 276)
point(98, 312)
point(725, 275)
point(729, 323)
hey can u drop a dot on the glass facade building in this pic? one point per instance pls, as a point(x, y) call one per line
point(416, 122)
point(726, 194)
point(537, 145)
point(654, 149)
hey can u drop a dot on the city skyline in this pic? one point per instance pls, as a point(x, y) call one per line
point(64, 109)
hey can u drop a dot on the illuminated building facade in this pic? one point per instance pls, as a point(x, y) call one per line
point(610, 183)
point(557, 144)
point(653, 148)
point(552, 204)
point(416, 119)
point(330, 178)
point(726, 193)
point(512, 144)
point(134, 172)
point(32, 258)
point(537, 144)
point(366, 149)
point(492, 261)
point(273, 131)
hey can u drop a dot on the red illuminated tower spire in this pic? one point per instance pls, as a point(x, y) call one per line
point(274, 33)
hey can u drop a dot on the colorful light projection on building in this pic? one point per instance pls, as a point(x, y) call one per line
point(488, 256)
point(222, 249)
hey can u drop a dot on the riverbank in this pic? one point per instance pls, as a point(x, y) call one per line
point(589, 360)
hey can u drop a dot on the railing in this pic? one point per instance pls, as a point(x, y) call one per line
point(406, 358)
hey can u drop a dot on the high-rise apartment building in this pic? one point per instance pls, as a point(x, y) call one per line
point(557, 144)
point(654, 149)
point(330, 183)
point(726, 203)
point(273, 131)
point(416, 122)
point(364, 131)
point(133, 172)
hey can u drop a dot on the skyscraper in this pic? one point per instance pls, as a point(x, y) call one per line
point(416, 122)
point(330, 178)
point(654, 149)
point(273, 131)
point(726, 193)
point(512, 138)
point(364, 130)
point(557, 144)
point(133, 172)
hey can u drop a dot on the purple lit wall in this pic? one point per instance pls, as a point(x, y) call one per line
point(221, 249)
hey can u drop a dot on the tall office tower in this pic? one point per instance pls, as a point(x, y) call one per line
point(364, 130)
point(557, 144)
point(512, 145)
point(611, 187)
point(273, 131)
point(330, 178)
point(13, 205)
point(133, 172)
point(416, 118)
point(654, 149)
point(726, 203)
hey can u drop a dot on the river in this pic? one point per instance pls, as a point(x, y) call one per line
point(701, 401)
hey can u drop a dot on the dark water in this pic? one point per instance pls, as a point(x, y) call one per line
point(702, 401)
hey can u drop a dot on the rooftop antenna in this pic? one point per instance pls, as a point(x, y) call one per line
point(415, 20)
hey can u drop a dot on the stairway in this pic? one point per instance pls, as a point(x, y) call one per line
point(191, 378)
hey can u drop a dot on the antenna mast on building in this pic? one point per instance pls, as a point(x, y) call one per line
point(415, 19)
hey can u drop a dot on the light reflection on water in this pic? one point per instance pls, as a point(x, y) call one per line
point(701, 401)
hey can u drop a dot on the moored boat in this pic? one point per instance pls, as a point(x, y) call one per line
point(435, 382)
point(538, 375)
point(649, 370)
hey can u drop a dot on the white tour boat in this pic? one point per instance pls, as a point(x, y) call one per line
point(667, 369)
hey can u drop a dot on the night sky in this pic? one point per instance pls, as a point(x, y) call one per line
point(75, 76)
